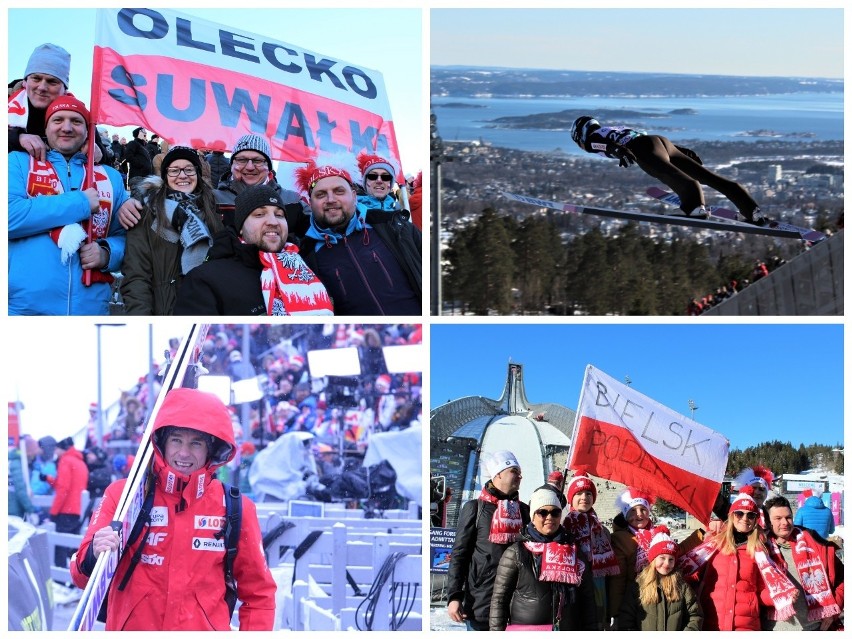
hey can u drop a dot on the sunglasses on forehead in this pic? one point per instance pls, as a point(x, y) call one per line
point(384, 177)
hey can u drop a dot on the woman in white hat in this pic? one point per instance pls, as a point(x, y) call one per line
point(544, 581)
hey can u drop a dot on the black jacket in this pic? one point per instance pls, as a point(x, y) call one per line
point(358, 277)
point(520, 598)
point(228, 283)
point(138, 159)
point(474, 559)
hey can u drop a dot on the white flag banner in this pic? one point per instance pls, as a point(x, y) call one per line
point(625, 436)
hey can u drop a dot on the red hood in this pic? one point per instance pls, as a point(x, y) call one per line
point(190, 408)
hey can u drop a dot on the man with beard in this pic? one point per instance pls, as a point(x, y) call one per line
point(254, 271)
point(368, 259)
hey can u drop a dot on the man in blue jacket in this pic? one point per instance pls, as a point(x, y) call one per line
point(814, 514)
point(58, 229)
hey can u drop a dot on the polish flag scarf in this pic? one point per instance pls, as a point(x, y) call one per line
point(643, 539)
point(812, 575)
point(586, 528)
point(506, 522)
point(19, 107)
point(289, 287)
point(559, 562)
point(43, 180)
point(780, 588)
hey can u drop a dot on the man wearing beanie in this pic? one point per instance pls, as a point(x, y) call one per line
point(486, 527)
point(64, 239)
point(369, 260)
point(251, 165)
point(45, 79)
point(378, 182)
point(72, 478)
point(254, 271)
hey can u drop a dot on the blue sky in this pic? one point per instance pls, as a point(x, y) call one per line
point(752, 383)
point(762, 42)
point(387, 40)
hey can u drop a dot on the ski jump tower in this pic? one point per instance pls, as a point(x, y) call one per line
point(464, 430)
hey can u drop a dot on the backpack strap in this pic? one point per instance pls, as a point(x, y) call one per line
point(143, 522)
point(231, 533)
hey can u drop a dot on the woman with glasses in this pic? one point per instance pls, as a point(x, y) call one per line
point(737, 578)
point(544, 580)
point(178, 223)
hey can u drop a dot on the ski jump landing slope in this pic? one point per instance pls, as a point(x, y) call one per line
point(809, 284)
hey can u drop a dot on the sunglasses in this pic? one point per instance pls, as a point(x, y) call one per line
point(384, 177)
point(544, 514)
point(750, 516)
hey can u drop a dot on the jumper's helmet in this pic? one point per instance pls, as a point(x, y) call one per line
point(581, 127)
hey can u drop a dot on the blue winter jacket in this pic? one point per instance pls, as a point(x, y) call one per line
point(39, 284)
point(814, 514)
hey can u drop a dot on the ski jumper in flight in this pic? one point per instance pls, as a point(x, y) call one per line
point(677, 167)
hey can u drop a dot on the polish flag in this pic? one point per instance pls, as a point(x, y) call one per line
point(624, 436)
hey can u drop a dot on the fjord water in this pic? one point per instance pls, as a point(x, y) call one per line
point(729, 118)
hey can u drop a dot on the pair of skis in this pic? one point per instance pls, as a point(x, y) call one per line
point(182, 371)
point(720, 219)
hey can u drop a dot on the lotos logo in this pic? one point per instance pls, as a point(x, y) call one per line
point(209, 522)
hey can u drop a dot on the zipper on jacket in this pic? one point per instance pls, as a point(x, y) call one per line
point(363, 276)
point(378, 261)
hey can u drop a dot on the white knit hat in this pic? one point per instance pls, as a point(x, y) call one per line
point(544, 496)
point(500, 461)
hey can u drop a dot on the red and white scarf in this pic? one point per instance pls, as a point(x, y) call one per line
point(289, 287)
point(643, 538)
point(586, 528)
point(781, 589)
point(506, 522)
point(812, 575)
point(42, 180)
point(19, 109)
point(559, 562)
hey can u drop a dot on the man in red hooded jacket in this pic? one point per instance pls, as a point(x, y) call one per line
point(72, 477)
point(179, 582)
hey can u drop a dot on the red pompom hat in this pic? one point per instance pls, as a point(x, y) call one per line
point(662, 544)
point(367, 162)
point(579, 483)
point(745, 500)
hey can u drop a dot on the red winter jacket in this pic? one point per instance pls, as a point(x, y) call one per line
point(72, 477)
point(179, 582)
point(731, 592)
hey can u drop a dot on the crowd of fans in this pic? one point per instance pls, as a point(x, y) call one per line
point(697, 306)
point(334, 416)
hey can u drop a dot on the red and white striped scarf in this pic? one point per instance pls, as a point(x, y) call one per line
point(559, 562)
point(42, 180)
point(586, 528)
point(291, 288)
point(812, 575)
point(19, 109)
point(781, 589)
point(506, 522)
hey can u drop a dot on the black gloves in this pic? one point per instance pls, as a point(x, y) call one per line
point(625, 156)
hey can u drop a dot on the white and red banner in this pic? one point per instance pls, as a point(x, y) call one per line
point(622, 435)
point(203, 84)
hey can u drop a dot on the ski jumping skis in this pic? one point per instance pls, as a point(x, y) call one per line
point(638, 216)
point(806, 234)
point(181, 372)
